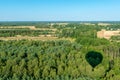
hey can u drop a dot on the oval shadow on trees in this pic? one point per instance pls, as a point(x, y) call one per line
point(94, 58)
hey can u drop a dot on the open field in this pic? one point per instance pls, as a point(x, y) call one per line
point(10, 32)
point(42, 37)
point(28, 38)
point(25, 27)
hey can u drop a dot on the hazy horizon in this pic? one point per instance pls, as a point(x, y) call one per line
point(62, 10)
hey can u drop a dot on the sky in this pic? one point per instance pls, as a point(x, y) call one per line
point(59, 10)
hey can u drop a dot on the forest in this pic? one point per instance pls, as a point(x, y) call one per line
point(83, 57)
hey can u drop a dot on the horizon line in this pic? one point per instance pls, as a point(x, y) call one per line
point(62, 21)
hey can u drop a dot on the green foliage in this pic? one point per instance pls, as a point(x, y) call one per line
point(58, 59)
point(46, 60)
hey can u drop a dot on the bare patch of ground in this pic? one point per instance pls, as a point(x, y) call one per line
point(107, 34)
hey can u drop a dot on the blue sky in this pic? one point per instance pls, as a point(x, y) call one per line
point(59, 10)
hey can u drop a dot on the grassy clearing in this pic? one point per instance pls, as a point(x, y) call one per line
point(25, 27)
point(41, 38)
point(28, 38)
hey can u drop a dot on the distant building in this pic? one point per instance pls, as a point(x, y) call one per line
point(107, 34)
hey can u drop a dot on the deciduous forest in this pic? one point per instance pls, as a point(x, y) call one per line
point(76, 53)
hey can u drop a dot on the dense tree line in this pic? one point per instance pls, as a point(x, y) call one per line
point(58, 60)
point(23, 32)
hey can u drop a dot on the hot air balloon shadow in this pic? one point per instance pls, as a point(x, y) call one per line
point(94, 58)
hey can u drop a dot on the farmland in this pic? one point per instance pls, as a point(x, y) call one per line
point(58, 51)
